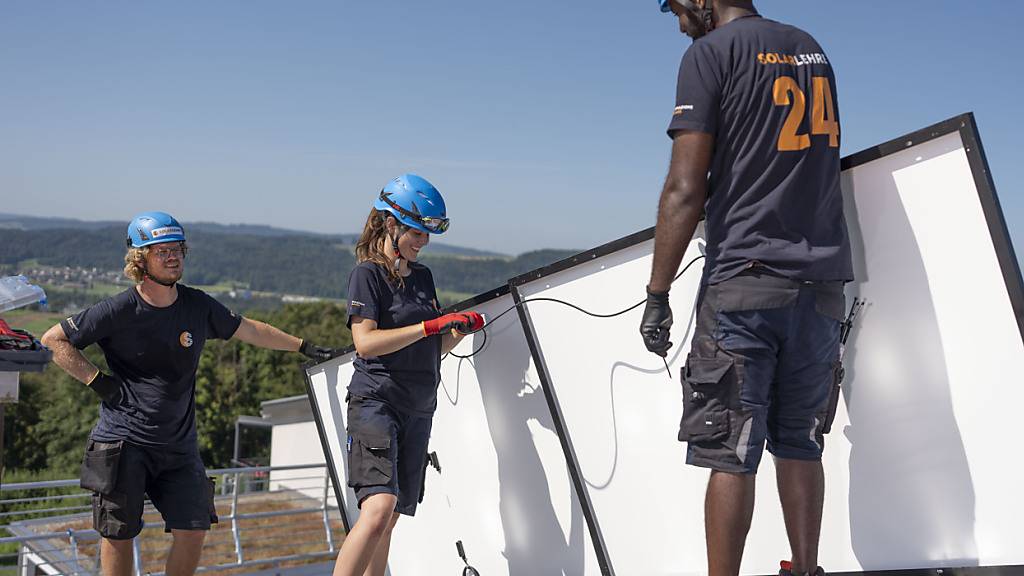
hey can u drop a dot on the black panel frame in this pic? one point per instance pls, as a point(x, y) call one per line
point(575, 474)
point(339, 491)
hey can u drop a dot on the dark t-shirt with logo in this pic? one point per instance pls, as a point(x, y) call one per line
point(155, 351)
point(767, 92)
point(406, 379)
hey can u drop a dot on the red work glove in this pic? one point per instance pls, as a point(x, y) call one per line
point(463, 322)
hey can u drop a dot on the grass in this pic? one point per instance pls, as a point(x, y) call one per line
point(33, 321)
point(98, 289)
point(104, 290)
point(221, 287)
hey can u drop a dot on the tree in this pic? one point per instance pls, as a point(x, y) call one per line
point(235, 378)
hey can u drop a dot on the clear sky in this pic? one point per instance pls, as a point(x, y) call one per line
point(541, 121)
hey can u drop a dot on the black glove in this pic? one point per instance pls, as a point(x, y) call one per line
point(656, 323)
point(315, 352)
point(107, 387)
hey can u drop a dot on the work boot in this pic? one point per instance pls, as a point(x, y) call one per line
point(786, 569)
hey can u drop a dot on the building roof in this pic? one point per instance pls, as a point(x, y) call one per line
point(290, 410)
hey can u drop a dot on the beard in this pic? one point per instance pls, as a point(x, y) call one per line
point(167, 276)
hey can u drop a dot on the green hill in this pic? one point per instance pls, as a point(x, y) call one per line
point(306, 265)
point(35, 223)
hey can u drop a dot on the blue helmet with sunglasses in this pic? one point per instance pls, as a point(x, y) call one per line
point(415, 203)
point(151, 228)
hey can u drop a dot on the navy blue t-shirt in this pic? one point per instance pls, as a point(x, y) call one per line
point(155, 351)
point(767, 92)
point(406, 379)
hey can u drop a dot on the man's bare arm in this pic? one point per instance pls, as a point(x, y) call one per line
point(681, 204)
point(266, 336)
point(69, 358)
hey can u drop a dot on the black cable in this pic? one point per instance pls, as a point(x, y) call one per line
point(474, 352)
point(569, 304)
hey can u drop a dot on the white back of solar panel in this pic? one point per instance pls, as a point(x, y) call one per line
point(920, 464)
point(503, 489)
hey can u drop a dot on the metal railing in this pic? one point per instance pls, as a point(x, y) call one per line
point(278, 516)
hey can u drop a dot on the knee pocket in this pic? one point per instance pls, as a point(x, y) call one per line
point(369, 460)
point(709, 388)
point(112, 518)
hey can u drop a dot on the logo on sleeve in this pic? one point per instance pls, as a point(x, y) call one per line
point(71, 323)
point(680, 109)
point(185, 339)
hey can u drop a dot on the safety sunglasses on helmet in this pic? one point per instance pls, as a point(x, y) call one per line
point(431, 223)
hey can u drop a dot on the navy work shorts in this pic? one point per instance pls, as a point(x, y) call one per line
point(387, 452)
point(761, 368)
point(121, 475)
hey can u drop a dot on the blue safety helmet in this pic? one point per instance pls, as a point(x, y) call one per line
point(151, 228)
point(415, 203)
point(703, 14)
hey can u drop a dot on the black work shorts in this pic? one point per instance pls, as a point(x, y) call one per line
point(761, 368)
point(387, 452)
point(121, 475)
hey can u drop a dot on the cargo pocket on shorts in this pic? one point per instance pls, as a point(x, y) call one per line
point(211, 489)
point(706, 399)
point(369, 461)
point(99, 467)
point(107, 518)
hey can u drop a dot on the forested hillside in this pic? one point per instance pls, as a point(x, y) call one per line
point(296, 264)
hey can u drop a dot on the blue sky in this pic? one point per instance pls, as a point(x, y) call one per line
point(542, 122)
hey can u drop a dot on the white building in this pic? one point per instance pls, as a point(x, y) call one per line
point(294, 442)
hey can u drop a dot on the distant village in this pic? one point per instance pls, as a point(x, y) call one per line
point(78, 279)
point(73, 278)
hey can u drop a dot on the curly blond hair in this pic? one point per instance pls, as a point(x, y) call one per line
point(135, 262)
